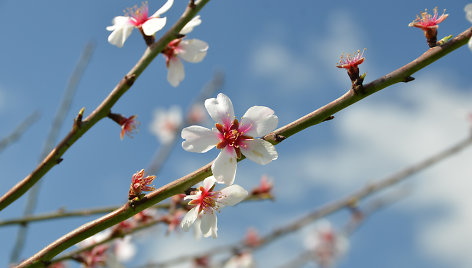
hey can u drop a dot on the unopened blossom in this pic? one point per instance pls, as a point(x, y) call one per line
point(232, 137)
point(252, 238)
point(429, 24)
point(326, 244)
point(166, 123)
point(468, 15)
point(137, 17)
point(201, 262)
point(241, 260)
point(207, 202)
point(196, 114)
point(140, 184)
point(97, 255)
point(264, 188)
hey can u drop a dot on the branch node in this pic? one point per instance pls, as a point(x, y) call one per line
point(408, 79)
point(191, 4)
point(59, 160)
point(129, 79)
point(78, 119)
point(331, 117)
point(279, 138)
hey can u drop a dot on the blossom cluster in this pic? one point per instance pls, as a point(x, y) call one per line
point(192, 50)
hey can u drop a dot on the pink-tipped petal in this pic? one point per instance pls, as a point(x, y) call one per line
point(193, 50)
point(198, 139)
point(224, 167)
point(220, 109)
point(260, 151)
point(258, 121)
point(121, 30)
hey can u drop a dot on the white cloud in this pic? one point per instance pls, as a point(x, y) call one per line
point(381, 137)
point(279, 63)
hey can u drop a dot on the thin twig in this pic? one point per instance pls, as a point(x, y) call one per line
point(61, 213)
point(51, 139)
point(54, 157)
point(180, 185)
point(330, 208)
point(353, 224)
point(19, 130)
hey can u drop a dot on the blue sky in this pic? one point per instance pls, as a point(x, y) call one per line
point(280, 55)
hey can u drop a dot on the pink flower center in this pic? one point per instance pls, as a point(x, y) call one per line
point(232, 137)
point(138, 15)
point(172, 50)
point(351, 61)
point(427, 20)
point(206, 200)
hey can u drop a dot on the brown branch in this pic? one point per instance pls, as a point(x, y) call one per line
point(180, 185)
point(101, 111)
point(52, 139)
point(330, 208)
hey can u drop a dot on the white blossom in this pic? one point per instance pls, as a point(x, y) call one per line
point(166, 123)
point(207, 202)
point(233, 138)
point(137, 17)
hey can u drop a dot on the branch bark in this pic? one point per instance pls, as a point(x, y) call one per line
point(180, 185)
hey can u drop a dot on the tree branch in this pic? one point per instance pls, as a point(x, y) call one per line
point(178, 186)
point(101, 111)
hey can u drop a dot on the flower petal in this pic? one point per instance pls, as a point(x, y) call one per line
point(193, 50)
point(468, 11)
point(209, 182)
point(191, 24)
point(163, 9)
point(121, 29)
point(209, 224)
point(220, 109)
point(189, 219)
point(224, 167)
point(175, 72)
point(259, 151)
point(198, 139)
point(151, 26)
point(258, 121)
point(231, 195)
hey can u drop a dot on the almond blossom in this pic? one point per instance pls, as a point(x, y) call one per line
point(232, 137)
point(192, 50)
point(207, 202)
point(468, 15)
point(137, 17)
point(429, 24)
point(326, 244)
point(139, 183)
point(166, 123)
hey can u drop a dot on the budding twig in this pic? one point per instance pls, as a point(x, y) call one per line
point(178, 186)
